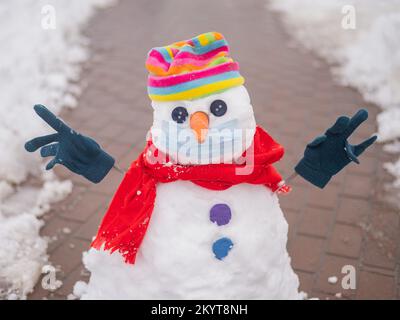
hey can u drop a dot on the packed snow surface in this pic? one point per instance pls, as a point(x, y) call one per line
point(366, 57)
point(176, 260)
point(40, 62)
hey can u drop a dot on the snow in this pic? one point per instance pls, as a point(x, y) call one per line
point(367, 57)
point(176, 261)
point(39, 64)
point(22, 250)
point(66, 230)
point(332, 280)
point(394, 169)
point(71, 297)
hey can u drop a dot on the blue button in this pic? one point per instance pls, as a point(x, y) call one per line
point(221, 247)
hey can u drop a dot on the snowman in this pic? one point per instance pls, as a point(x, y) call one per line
point(197, 215)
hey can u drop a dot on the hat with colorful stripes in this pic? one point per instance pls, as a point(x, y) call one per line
point(191, 69)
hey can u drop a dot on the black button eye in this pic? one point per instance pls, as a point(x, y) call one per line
point(218, 108)
point(179, 114)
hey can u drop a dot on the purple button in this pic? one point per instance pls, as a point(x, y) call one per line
point(220, 214)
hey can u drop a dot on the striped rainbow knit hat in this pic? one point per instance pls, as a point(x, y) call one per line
point(191, 69)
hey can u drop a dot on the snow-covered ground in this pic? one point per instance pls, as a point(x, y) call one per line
point(367, 57)
point(40, 62)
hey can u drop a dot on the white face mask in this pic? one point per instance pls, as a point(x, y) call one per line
point(228, 136)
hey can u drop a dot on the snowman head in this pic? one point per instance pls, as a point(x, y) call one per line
point(214, 129)
point(202, 111)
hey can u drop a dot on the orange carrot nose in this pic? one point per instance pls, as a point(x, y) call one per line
point(199, 124)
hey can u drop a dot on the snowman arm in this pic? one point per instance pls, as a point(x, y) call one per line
point(118, 168)
point(286, 181)
point(290, 178)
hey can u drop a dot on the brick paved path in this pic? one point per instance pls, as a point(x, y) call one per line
point(294, 99)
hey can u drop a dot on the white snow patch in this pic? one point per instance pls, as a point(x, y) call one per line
point(22, 250)
point(394, 169)
point(80, 288)
point(332, 280)
point(37, 65)
point(393, 147)
point(71, 297)
point(66, 230)
point(367, 58)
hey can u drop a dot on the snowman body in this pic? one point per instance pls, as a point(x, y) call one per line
point(177, 261)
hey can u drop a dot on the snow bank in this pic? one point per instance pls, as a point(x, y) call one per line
point(38, 64)
point(22, 250)
point(367, 57)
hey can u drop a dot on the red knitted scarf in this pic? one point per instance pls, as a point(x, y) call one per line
point(125, 223)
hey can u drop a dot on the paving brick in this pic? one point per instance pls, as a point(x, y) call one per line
point(307, 281)
point(88, 203)
point(109, 185)
point(295, 200)
point(89, 229)
point(382, 239)
point(345, 241)
point(379, 270)
point(353, 210)
point(118, 150)
point(375, 286)
point(358, 186)
point(133, 135)
point(127, 159)
point(78, 180)
point(377, 255)
point(366, 167)
point(292, 128)
point(316, 221)
point(111, 131)
point(326, 198)
point(305, 252)
point(57, 230)
point(38, 292)
point(64, 206)
point(93, 126)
